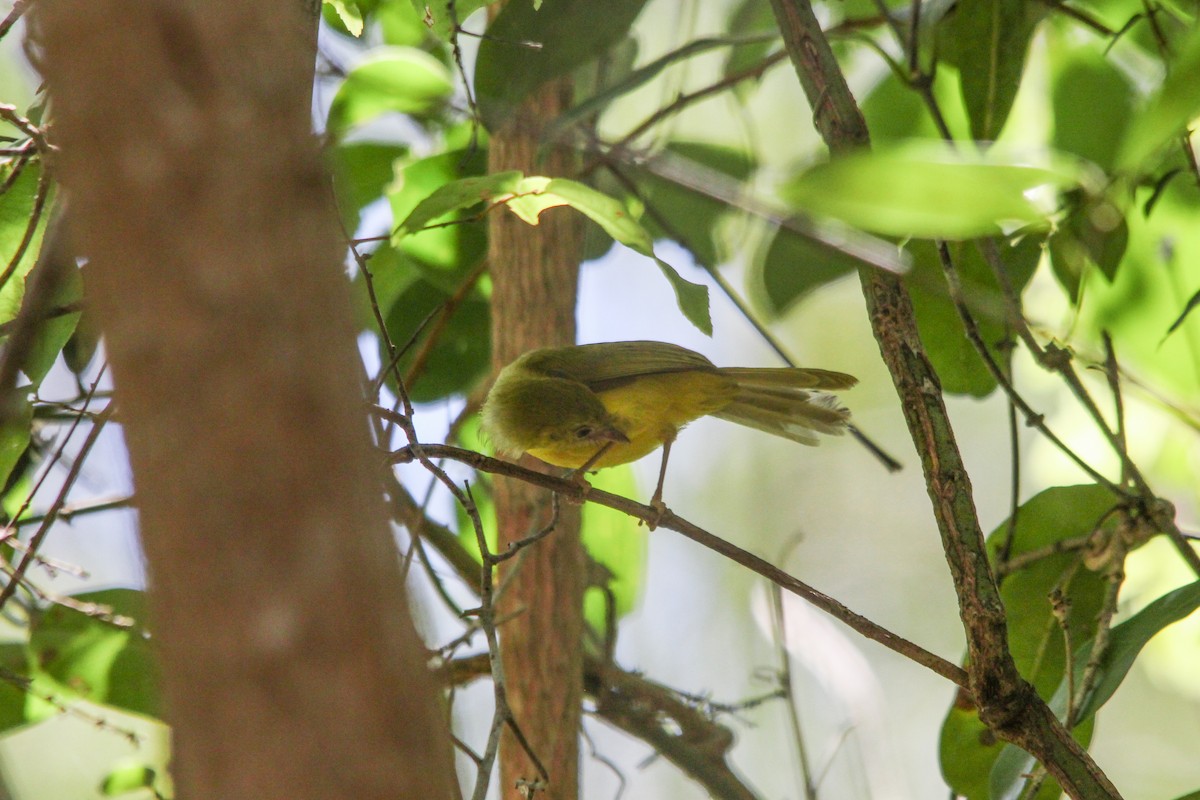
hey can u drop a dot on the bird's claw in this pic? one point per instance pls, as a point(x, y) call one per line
point(660, 511)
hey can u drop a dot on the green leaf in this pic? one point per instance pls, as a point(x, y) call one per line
point(611, 215)
point(1010, 774)
point(1126, 642)
point(14, 434)
point(14, 671)
point(459, 355)
point(956, 360)
point(615, 541)
point(1035, 639)
point(1093, 234)
point(691, 216)
point(458, 195)
point(96, 660)
point(895, 113)
point(437, 13)
point(526, 46)
point(404, 80)
point(1192, 302)
point(53, 334)
point(929, 190)
point(361, 172)
point(401, 24)
point(444, 256)
point(81, 347)
point(1093, 104)
point(16, 209)
point(793, 265)
point(967, 749)
point(607, 212)
point(987, 40)
point(751, 17)
point(129, 775)
point(643, 75)
point(691, 297)
point(1168, 112)
point(349, 15)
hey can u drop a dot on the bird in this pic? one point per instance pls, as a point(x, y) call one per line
point(592, 406)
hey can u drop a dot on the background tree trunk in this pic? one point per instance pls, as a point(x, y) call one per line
point(291, 666)
point(535, 274)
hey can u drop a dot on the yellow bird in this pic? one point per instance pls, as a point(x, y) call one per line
point(600, 405)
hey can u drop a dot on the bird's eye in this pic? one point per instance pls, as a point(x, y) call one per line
point(583, 432)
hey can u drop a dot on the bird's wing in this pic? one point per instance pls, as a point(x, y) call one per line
point(610, 364)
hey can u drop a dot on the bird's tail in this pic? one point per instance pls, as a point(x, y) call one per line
point(788, 402)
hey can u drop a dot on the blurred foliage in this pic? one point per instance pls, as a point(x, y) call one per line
point(1055, 138)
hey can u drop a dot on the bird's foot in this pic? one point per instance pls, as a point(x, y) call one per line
point(576, 476)
point(659, 509)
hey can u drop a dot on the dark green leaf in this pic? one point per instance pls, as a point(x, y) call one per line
point(16, 210)
point(81, 348)
point(688, 215)
point(691, 297)
point(403, 80)
point(1054, 515)
point(956, 360)
point(438, 13)
point(53, 333)
point(928, 190)
point(458, 356)
point(14, 672)
point(1192, 302)
point(1127, 640)
point(361, 172)
point(1177, 103)
point(1092, 105)
point(987, 41)
point(1093, 234)
point(445, 256)
point(967, 749)
point(895, 113)
point(642, 75)
point(751, 17)
point(97, 660)
point(458, 195)
point(615, 541)
point(525, 47)
point(794, 265)
point(14, 434)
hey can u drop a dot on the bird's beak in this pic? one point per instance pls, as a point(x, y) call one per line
point(607, 433)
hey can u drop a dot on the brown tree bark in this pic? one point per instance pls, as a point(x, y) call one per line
point(291, 666)
point(535, 273)
point(1006, 702)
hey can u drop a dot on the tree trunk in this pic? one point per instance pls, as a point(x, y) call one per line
point(291, 665)
point(535, 273)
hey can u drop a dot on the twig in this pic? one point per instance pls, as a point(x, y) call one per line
point(573, 491)
point(39, 536)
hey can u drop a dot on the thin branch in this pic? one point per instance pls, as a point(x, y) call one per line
point(43, 530)
point(1007, 704)
point(668, 519)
